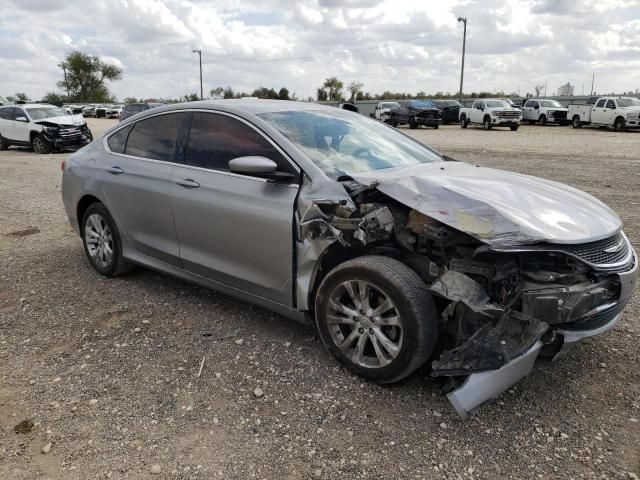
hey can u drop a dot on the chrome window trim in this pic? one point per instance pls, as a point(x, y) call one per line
point(287, 157)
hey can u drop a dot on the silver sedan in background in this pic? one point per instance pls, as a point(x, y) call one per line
point(400, 255)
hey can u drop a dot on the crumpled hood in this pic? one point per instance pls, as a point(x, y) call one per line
point(76, 120)
point(497, 207)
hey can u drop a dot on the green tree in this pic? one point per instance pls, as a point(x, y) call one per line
point(217, 93)
point(128, 100)
point(334, 88)
point(228, 93)
point(355, 88)
point(17, 97)
point(86, 77)
point(53, 97)
point(283, 94)
point(322, 94)
point(190, 97)
point(264, 92)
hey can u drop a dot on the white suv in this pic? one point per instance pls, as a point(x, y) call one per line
point(43, 127)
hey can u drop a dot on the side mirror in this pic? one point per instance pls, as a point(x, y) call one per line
point(258, 167)
point(612, 107)
point(22, 119)
point(537, 107)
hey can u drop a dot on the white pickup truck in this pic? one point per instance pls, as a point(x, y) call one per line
point(543, 111)
point(491, 112)
point(620, 113)
point(383, 110)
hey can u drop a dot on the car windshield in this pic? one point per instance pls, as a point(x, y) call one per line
point(497, 103)
point(40, 113)
point(390, 105)
point(628, 102)
point(344, 143)
point(550, 103)
point(421, 104)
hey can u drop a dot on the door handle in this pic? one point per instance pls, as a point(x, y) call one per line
point(187, 183)
point(115, 170)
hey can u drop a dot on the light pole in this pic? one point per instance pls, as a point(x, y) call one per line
point(66, 84)
point(464, 42)
point(199, 52)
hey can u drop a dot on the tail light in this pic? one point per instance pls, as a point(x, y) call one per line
point(62, 165)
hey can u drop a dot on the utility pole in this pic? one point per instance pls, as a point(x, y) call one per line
point(545, 88)
point(199, 52)
point(66, 83)
point(593, 79)
point(464, 42)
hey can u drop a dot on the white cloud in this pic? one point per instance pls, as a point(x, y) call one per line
point(386, 44)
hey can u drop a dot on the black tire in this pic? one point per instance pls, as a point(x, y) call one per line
point(118, 265)
point(486, 123)
point(575, 122)
point(412, 123)
point(514, 127)
point(3, 143)
point(435, 127)
point(39, 144)
point(463, 122)
point(413, 302)
point(619, 125)
point(393, 121)
point(542, 120)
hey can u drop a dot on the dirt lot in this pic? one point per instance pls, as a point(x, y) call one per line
point(107, 370)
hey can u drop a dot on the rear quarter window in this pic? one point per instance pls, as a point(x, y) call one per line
point(118, 140)
point(155, 138)
point(6, 113)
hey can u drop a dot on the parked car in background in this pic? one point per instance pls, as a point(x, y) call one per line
point(114, 111)
point(543, 111)
point(382, 111)
point(43, 127)
point(101, 110)
point(73, 109)
point(449, 110)
point(415, 113)
point(398, 256)
point(490, 113)
point(89, 110)
point(133, 108)
point(621, 113)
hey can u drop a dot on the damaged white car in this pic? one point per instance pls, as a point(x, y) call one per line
point(400, 255)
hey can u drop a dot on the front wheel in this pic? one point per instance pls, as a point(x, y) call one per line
point(375, 315)
point(40, 145)
point(393, 121)
point(3, 144)
point(542, 120)
point(487, 123)
point(435, 127)
point(514, 127)
point(575, 122)
point(412, 123)
point(102, 242)
point(464, 123)
point(619, 125)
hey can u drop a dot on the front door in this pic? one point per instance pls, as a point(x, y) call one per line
point(234, 229)
point(136, 179)
point(598, 112)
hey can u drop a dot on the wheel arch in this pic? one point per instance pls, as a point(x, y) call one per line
point(83, 204)
point(486, 117)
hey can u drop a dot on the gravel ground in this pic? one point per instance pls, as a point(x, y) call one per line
point(104, 378)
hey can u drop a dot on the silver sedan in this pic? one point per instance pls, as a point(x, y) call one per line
point(400, 255)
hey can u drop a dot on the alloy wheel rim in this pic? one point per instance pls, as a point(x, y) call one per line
point(365, 324)
point(99, 240)
point(37, 145)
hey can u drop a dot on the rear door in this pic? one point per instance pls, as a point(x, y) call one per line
point(234, 229)
point(477, 112)
point(6, 123)
point(21, 129)
point(527, 110)
point(136, 178)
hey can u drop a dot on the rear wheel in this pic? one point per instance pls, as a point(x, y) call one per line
point(102, 242)
point(464, 123)
point(486, 123)
point(412, 123)
point(375, 315)
point(542, 120)
point(40, 145)
point(619, 125)
point(3, 143)
point(575, 122)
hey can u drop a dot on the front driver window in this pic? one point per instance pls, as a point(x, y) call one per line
point(216, 139)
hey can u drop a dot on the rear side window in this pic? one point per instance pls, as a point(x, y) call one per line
point(611, 104)
point(6, 113)
point(216, 139)
point(118, 140)
point(600, 103)
point(155, 137)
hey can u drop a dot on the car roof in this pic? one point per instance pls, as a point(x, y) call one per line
point(248, 106)
point(27, 105)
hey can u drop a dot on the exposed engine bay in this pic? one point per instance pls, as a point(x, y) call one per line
point(495, 303)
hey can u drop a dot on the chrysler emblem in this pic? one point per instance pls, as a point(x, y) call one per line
point(616, 248)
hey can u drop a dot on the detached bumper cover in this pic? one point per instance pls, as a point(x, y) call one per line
point(483, 387)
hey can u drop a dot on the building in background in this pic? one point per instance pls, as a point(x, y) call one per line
point(566, 90)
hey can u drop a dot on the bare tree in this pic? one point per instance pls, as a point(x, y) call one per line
point(355, 88)
point(538, 89)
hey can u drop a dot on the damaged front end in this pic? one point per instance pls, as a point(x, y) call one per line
point(65, 136)
point(504, 305)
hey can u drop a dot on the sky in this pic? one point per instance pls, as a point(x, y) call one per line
point(397, 45)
